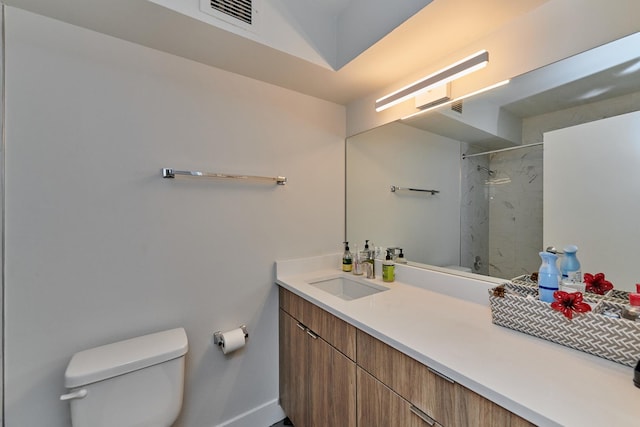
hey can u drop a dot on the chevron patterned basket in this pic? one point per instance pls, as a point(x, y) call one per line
point(516, 306)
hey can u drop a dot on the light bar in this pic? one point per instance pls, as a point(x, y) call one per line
point(465, 66)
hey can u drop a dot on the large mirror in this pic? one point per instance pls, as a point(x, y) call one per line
point(494, 206)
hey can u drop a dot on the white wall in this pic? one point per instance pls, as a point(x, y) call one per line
point(100, 248)
point(397, 154)
point(591, 188)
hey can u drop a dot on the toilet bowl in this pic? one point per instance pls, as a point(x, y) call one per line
point(137, 382)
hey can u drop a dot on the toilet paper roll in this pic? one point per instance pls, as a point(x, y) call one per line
point(232, 340)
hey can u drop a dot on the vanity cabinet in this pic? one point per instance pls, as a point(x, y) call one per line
point(332, 374)
point(417, 394)
point(317, 378)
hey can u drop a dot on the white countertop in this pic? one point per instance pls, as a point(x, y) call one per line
point(444, 321)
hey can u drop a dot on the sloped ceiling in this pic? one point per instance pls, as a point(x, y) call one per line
point(329, 33)
point(437, 29)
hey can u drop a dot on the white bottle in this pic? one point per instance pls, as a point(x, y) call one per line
point(570, 266)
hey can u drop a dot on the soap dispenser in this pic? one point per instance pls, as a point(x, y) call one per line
point(347, 259)
point(369, 262)
point(367, 251)
point(388, 268)
point(401, 259)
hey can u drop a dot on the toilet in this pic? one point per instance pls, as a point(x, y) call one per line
point(137, 382)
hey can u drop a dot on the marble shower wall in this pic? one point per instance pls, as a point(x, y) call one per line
point(515, 206)
point(501, 213)
point(474, 214)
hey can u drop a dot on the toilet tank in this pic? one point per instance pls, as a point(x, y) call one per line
point(137, 382)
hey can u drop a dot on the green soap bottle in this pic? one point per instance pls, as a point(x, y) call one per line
point(347, 259)
point(388, 268)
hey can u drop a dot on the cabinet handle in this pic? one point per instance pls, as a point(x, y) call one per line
point(444, 377)
point(307, 330)
point(424, 417)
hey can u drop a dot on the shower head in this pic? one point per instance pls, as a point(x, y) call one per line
point(489, 171)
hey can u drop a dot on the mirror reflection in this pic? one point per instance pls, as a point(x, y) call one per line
point(485, 156)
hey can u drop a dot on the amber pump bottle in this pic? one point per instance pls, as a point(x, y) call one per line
point(347, 259)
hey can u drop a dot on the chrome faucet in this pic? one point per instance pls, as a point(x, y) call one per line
point(395, 251)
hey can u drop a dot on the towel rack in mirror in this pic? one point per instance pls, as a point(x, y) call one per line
point(395, 188)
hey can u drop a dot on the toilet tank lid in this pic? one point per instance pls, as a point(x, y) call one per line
point(107, 361)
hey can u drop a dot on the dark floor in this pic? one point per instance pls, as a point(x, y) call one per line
point(280, 424)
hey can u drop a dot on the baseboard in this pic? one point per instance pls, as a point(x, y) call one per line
point(262, 416)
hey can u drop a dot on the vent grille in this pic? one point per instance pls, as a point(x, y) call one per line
point(241, 10)
point(457, 107)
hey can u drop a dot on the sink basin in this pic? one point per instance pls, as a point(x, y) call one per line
point(347, 289)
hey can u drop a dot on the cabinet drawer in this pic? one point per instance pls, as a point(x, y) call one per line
point(429, 392)
point(379, 406)
point(473, 410)
point(335, 331)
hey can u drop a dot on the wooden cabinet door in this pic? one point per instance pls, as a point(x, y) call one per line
point(473, 410)
point(332, 386)
point(333, 330)
point(379, 406)
point(430, 392)
point(317, 382)
point(293, 369)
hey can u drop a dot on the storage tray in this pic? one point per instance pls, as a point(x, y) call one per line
point(516, 306)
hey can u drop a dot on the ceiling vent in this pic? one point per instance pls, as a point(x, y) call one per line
point(457, 106)
point(434, 97)
point(241, 13)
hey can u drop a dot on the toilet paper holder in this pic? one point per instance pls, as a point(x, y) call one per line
point(217, 336)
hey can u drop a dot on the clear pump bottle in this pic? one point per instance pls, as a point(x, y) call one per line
point(357, 262)
point(369, 263)
point(401, 259)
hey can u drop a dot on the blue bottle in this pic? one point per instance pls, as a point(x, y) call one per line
point(570, 266)
point(548, 276)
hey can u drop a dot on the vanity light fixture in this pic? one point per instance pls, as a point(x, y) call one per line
point(460, 98)
point(463, 67)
